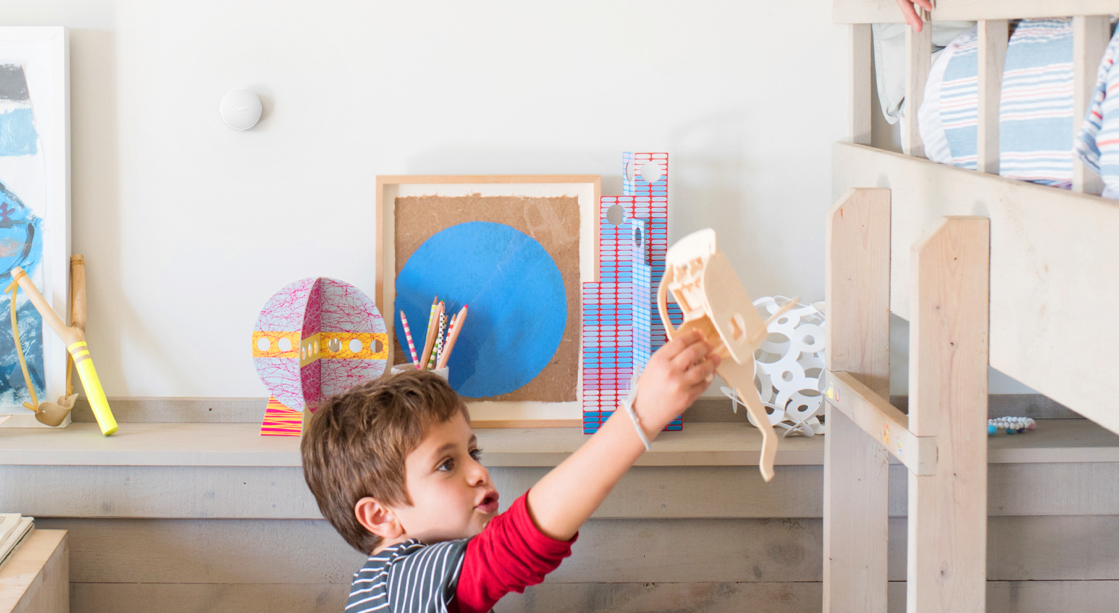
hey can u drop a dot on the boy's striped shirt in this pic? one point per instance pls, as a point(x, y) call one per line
point(408, 578)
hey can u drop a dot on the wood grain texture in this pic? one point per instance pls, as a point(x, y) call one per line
point(993, 38)
point(918, 63)
point(1003, 597)
point(665, 492)
point(36, 578)
point(862, 77)
point(886, 11)
point(1049, 250)
point(174, 409)
point(141, 409)
point(207, 444)
point(1066, 466)
point(857, 292)
point(1043, 548)
point(948, 401)
point(208, 598)
point(1090, 36)
point(881, 421)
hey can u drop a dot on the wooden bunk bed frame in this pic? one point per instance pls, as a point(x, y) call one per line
point(987, 270)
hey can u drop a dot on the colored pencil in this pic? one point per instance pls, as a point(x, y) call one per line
point(430, 363)
point(455, 330)
point(439, 336)
point(408, 335)
point(430, 342)
point(447, 344)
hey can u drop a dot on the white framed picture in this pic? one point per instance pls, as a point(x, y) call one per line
point(34, 209)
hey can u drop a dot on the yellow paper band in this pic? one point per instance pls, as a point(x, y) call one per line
point(96, 396)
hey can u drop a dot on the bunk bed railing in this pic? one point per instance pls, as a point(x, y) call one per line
point(1090, 38)
point(1054, 253)
point(886, 11)
point(988, 270)
point(1054, 268)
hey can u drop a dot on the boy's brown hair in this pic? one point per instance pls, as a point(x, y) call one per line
point(355, 445)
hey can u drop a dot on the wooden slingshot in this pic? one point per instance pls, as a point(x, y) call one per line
point(714, 302)
point(51, 413)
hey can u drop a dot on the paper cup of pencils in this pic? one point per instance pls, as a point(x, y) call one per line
point(444, 372)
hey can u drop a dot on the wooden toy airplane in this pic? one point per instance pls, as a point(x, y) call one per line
point(714, 302)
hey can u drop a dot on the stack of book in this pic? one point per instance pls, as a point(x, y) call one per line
point(13, 529)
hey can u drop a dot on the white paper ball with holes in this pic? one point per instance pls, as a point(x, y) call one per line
point(790, 366)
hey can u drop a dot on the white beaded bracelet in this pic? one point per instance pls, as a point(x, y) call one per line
point(1012, 425)
point(627, 404)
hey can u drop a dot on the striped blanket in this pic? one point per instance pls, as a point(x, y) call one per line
point(1097, 144)
point(1035, 107)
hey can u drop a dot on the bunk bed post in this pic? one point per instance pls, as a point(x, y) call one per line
point(948, 353)
point(856, 494)
point(993, 38)
point(1090, 36)
point(861, 75)
point(918, 63)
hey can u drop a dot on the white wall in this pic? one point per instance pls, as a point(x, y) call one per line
point(188, 227)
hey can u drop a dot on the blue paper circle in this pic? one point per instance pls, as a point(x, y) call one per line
point(518, 306)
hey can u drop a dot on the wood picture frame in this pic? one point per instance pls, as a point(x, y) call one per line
point(586, 188)
point(35, 172)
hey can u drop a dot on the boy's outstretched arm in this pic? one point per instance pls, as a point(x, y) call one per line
point(675, 376)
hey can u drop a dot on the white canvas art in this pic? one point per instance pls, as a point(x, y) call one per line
point(34, 209)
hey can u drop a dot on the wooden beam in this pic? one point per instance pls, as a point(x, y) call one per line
point(918, 63)
point(882, 421)
point(1050, 248)
point(1089, 40)
point(948, 400)
point(993, 36)
point(886, 11)
point(856, 471)
point(861, 81)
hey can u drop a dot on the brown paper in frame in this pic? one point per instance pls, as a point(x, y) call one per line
point(553, 222)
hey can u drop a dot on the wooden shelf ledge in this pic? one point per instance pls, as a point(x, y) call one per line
point(700, 444)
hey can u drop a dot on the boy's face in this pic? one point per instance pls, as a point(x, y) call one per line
point(452, 495)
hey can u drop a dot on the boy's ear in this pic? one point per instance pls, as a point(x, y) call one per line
point(378, 518)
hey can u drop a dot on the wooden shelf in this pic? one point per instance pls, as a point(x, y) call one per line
point(700, 444)
point(37, 576)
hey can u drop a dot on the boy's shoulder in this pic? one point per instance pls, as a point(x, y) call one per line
point(408, 577)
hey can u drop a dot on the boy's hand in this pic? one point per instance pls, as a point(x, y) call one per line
point(910, 12)
point(675, 376)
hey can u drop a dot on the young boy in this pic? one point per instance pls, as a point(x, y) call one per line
point(395, 469)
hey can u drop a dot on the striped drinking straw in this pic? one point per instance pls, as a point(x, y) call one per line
point(408, 335)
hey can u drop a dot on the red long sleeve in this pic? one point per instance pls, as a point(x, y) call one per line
point(509, 555)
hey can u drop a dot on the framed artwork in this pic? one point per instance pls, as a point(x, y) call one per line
point(34, 208)
point(516, 250)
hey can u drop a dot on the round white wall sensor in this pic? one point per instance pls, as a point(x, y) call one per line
point(240, 109)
